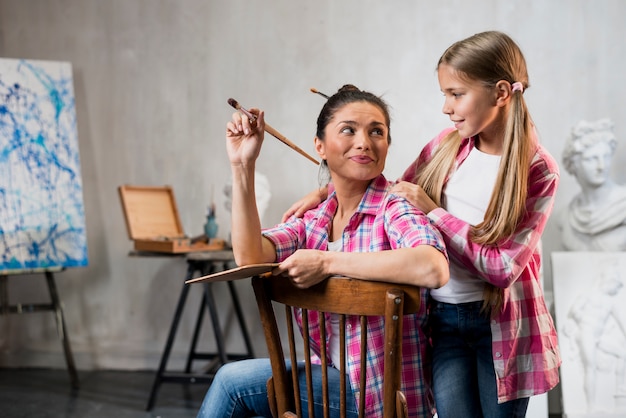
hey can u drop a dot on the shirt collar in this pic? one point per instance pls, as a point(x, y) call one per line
point(370, 202)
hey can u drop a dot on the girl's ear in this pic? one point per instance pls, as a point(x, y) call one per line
point(503, 93)
point(320, 147)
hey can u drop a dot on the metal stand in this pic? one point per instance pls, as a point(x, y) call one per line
point(203, 263)
point(55, 307)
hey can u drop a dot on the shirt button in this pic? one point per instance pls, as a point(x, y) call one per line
point(498, 354)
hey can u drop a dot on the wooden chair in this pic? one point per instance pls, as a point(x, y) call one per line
point(342, 296)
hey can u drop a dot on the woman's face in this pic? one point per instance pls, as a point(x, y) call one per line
point(593, 165)
point(356, 142)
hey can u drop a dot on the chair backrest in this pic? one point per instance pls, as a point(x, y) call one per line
point(341, 296)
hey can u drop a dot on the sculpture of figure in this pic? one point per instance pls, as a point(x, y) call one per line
point(596, 217)
point(263, 194)
point(595, 325)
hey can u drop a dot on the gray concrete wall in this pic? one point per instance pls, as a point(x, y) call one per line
point(152, 78)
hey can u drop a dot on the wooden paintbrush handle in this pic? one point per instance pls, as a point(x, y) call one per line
point(287, 142)
point(234, 103)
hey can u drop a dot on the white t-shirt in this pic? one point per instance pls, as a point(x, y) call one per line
point(467, 196)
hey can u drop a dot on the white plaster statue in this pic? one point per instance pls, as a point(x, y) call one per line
point(595, 326)
point(262, 194)
point(595, 219)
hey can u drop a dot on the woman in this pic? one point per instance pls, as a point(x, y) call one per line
point(361, 230)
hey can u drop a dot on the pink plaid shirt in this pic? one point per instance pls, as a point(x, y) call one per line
point(381, 222)
point(525, 350)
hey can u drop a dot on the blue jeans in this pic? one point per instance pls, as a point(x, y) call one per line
point(464, 380)
point(239, 390)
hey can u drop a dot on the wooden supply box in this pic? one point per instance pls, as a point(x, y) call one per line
point(153, 222)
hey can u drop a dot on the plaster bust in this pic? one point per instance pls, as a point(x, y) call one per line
point(595, 219)
point(262, 190)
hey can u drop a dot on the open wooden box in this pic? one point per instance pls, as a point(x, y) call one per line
point(153, 223)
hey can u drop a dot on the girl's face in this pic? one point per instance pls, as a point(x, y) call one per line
point(356, 142)
point(471, 106)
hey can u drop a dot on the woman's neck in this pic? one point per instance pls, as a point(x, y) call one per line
point(349, 196)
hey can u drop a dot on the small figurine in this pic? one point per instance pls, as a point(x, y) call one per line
point(210, 227)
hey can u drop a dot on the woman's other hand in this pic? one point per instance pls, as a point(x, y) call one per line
point(305, 268)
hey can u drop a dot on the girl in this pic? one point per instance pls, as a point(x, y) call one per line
point(361, 231)
point(488, 186)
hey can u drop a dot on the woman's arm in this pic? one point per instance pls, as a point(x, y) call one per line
point(243, 144)
point(405, 248)
point(419, 266)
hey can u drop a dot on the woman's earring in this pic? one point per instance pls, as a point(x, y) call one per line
point(323, 174)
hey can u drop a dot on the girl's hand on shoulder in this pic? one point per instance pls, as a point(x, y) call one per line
point(415, 195)
point(304, 268)
point(308, 202)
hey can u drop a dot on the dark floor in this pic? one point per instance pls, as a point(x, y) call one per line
point(45, 393)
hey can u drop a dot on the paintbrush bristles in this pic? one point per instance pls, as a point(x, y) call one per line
point(233, 103)
point(314, 90)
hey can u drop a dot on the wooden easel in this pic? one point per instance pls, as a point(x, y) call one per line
point(54, 306)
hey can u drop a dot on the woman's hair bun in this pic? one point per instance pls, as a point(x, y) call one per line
point(348, 87)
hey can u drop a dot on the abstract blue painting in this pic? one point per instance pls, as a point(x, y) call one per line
point(42, 216)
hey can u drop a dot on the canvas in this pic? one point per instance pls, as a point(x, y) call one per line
point(42, 217)
point(590, 312)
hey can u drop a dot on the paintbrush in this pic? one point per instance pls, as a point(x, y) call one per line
point(270, 130)
point(316, 91)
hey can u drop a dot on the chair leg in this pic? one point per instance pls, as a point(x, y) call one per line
point(271, 397)
point(402, 409)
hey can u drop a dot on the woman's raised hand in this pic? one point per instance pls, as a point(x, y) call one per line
point(244, 137)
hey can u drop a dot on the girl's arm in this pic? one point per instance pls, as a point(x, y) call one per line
point(502, 264)
point(308, 202)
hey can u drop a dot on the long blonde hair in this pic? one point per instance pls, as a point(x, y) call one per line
point(489, 57)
